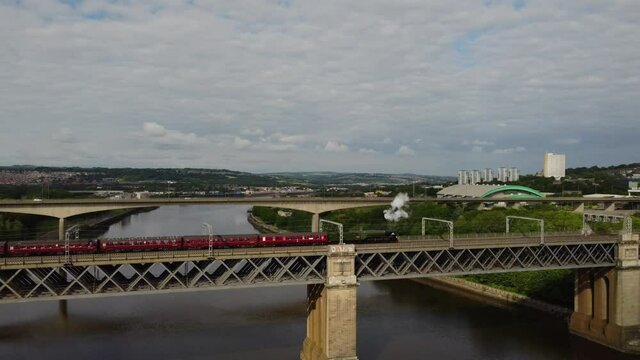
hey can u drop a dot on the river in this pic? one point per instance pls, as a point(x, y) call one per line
point(396, 319)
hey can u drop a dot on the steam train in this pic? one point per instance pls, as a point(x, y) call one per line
point(31, 248)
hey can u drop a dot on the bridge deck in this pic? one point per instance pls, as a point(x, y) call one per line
point(413, 243)
point(49, 278)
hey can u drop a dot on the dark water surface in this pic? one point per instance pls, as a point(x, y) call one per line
point(396, 319)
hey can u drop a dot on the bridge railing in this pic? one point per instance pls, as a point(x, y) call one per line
point(168, 255)
point(513, 235)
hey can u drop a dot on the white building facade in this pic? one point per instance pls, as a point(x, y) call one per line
point(473, 177)
point(554, 165)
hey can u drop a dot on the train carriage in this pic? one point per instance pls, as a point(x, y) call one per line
point(49, 248)
point(30, 248)
point(293, 239)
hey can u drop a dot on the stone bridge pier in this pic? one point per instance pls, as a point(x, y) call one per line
point(331, 310)
point(607, 301)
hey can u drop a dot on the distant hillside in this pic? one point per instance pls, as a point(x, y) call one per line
point(30, 175)
point(336, 178)
point(586, 180)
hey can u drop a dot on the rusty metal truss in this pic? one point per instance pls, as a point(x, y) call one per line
point(421, 263)
point(51, 283)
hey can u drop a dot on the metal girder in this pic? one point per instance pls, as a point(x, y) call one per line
point(408, 264)
point(157, 275)
point(51, 283)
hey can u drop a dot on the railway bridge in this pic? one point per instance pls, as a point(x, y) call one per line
point(607, 287)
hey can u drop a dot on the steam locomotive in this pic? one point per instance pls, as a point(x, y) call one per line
point(30, 248)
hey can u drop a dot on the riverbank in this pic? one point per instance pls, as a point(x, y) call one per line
point(102, 223)
point(497, 297)
point(261, 226)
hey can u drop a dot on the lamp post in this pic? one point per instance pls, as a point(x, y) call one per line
point(207, 229)
point(540, 222)
point(449, 225)
point(67, 237)
point(339, 225)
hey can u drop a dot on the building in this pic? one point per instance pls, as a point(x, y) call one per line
point(469, 177)
point(476, 177)
point(554, 165)
point(634, 188)
point(502, 174)
point(487, 175)
point(473, 177)
point(463, 178)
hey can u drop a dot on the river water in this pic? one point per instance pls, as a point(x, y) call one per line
point(396, 319)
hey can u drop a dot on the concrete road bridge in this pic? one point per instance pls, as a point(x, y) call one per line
point(66, 208)
point(607, 287)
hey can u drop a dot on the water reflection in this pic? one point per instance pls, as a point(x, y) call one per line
point(184, 220)
point(404, 319)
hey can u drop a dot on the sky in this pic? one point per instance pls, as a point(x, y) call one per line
point(425, 87)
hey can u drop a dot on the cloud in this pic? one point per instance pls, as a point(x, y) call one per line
point(253, 132)
point(154, 129)
point(64, 135)
point(405, 151)
point(165, 139)
point(334, 146)
point(517, 149)
point(285, 138)
point(568, 141)
point(476, 149)
point(366, 151)
point(281, 77)
point(482, 143)
point(240, 143)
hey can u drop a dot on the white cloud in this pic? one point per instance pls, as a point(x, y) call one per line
point(240, 143)
point(405, 151)
point(285, 138)
point(154, 129)
point(482, 143)
point(284, 70)
point(476, 149)
point(165, 139)
point(366, 151)
point(517, 149)
point(334, 146)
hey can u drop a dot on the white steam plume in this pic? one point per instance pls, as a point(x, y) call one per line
point(396, 212)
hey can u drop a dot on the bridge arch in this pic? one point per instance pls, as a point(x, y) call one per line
point(66, 212)
point(513, 191)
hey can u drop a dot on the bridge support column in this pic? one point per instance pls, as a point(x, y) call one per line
point(62, 304)
point(315, 222)
point(62, 308)
point(578, 207)
point(60, 229)
point(607, 309)
point(331, 310)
